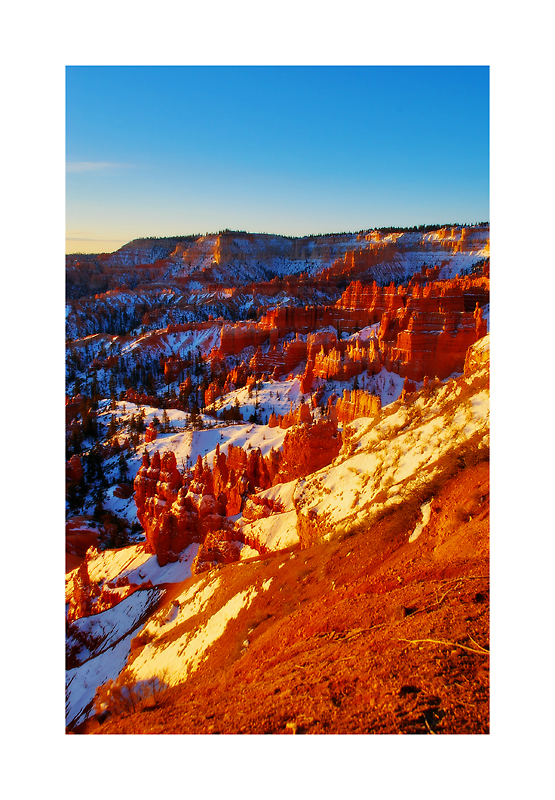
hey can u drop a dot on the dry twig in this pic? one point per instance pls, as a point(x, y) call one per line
point(448, 644)
point(483, 649)
point(428, 725)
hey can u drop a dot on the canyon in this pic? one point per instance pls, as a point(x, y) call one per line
point(239, 405)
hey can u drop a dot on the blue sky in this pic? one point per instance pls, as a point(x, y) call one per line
point(154, 151)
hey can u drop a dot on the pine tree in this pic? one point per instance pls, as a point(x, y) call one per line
point(122, 466)
point(112, 427)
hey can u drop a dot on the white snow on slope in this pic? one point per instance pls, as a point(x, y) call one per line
point(173, 662)
point(126, 509)
point(83, 681)
point(114, 623)
point(179, 343)
point(136, 564)
point(187, 605)
point(276, 396)
point(281, 492)
point(189, 445)
point(274, 533)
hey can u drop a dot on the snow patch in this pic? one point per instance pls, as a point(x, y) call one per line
point(177, 660)
point(426, 510)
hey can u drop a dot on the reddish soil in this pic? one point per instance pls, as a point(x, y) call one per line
point(367, 633)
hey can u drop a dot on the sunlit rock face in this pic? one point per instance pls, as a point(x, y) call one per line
point(477, 356)
point(431, 335)
point(308, 448)
point(355, 404)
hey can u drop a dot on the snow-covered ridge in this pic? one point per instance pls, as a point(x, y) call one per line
point(254, 257)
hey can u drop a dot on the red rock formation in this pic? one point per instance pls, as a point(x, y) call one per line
point(298, 319)
point(74, 469)
point(307, 448)
point(123, 491)
point(216, 550)
point(176, 510)
point(220, 472)
point(307, 379)
point(237, 378)
point(170, 479)
point(279, 360)
point(150, 434)
point(409, 388)
point(345, 362)
point(173, 367)
point(73, 408)
point(163, 509)
point(366, 303)
point(81, 533)
point(355, 262)
point(84, 592)
point(360, 305)
point(140, 398)
point(355, 404)
point(235, 338)
point(300, 415)
point(317, 397)
point(214, 390)
point(432, 335)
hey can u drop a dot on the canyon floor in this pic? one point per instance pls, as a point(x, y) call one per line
point(341, 643)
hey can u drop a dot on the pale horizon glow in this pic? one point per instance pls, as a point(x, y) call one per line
point(91, 166)
point(164, 151)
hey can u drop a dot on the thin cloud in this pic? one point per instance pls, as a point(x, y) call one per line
point(92, 166)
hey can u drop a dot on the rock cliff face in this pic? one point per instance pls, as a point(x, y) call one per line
point(150, 434)
point(424, 331)
point(301, 415)
point(382, 254)
point(279, 360)
point(144, 276)
point(235, 338)
point(431, 335)
point(355, 262)
point(356, 404)
point(367, 303)
point(308, 448)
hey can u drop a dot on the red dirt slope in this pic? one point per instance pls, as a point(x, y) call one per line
point(367, 633)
